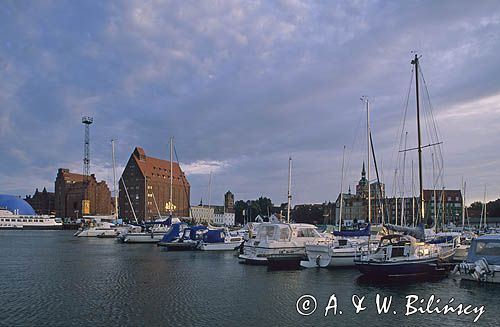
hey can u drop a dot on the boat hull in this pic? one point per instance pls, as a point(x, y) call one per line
point(179, 246)
point(398, 269)
point(142, 238)
point(231, 246)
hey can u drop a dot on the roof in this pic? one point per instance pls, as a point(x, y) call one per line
point(74, 177)
point(16, 205)
point(158, 169)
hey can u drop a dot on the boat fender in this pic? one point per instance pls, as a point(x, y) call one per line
point(318, 258)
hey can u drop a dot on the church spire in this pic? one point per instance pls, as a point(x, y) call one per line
point(363, 172)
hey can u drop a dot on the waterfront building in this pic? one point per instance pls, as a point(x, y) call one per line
point(355, 206)
point(202, 214)
point(446, 207)
point(70, 191)
point(42, 202)
point(148, 185)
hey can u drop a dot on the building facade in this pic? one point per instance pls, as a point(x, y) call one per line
point(71, 189)
point(147, 192)
point(202, 214)
point(42, 202)
point(229, 202)
point(355, 206)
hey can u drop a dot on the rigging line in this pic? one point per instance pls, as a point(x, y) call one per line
point(436, 130)
point(384, 205)
point(354, 142)
point(183, 181)
point(402, 124)
point(403, 120)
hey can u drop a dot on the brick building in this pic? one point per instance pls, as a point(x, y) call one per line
point(70, 192)
point(148, 185)
point(42, 202)
point(229, 202)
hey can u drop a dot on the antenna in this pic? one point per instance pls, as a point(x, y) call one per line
point(87, 121)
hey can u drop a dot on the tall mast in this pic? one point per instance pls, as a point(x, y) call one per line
point(289, 189)
point(114, 178)
point(420, 178)
point(463, 203)
point(368, 161)
point(403, 200)
point(341, 191)
point(209, 189)
point(484, 207)
point(171, 175)
point(412, 195)
point(434, 190)
point(396, 195)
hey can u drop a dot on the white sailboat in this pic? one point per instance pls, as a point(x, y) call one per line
point(341, 250)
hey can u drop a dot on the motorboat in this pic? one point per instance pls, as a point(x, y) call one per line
point(99, 229)
point(188, 239)
point(220, 240)
point(279, 242)
point(153, 232)
point(483, 260)
point(337, 250)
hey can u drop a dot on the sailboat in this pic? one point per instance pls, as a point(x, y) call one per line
point(404, 253)
point(341, 249)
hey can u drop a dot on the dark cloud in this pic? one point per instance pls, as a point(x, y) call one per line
point(244, 85)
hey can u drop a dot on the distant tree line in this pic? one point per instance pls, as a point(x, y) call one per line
point(304, 213)
point(492, 208)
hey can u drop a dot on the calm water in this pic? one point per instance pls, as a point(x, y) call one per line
point(50, 278)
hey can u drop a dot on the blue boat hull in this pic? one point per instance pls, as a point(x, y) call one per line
point(388, 269)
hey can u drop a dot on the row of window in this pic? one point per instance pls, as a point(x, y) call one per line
point(21, 220)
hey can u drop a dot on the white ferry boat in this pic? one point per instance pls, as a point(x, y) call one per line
point(9, 220)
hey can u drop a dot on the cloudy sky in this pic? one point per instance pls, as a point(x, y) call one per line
point(244, 85)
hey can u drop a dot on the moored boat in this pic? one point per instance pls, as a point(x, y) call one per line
point(9, 220)
point(220, 240)
point(483, 260)
point(279, 239)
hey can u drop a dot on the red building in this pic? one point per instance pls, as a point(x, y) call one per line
point(147, 180)
point(42, 202)
point(70, 191)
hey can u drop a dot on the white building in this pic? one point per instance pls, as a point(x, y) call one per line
point(224, 219)
point(202, 214)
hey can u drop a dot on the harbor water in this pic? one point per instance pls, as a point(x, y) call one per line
point(50, 278)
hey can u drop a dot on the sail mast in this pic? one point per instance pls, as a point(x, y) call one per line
point(368, 156)
point(289, 189)
point(420, 178)
point(403, 200)
point(341, 191)
point(171, 204)
point(463, 203)
point(114, 178)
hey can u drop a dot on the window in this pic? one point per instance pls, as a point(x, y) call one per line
point(488, 248)
point(284, 234)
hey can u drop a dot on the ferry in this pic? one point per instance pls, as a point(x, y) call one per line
point(10, 220)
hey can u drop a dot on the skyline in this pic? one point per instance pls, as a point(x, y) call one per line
point(241, 86)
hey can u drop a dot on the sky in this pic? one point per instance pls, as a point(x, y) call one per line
point(244, 85)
